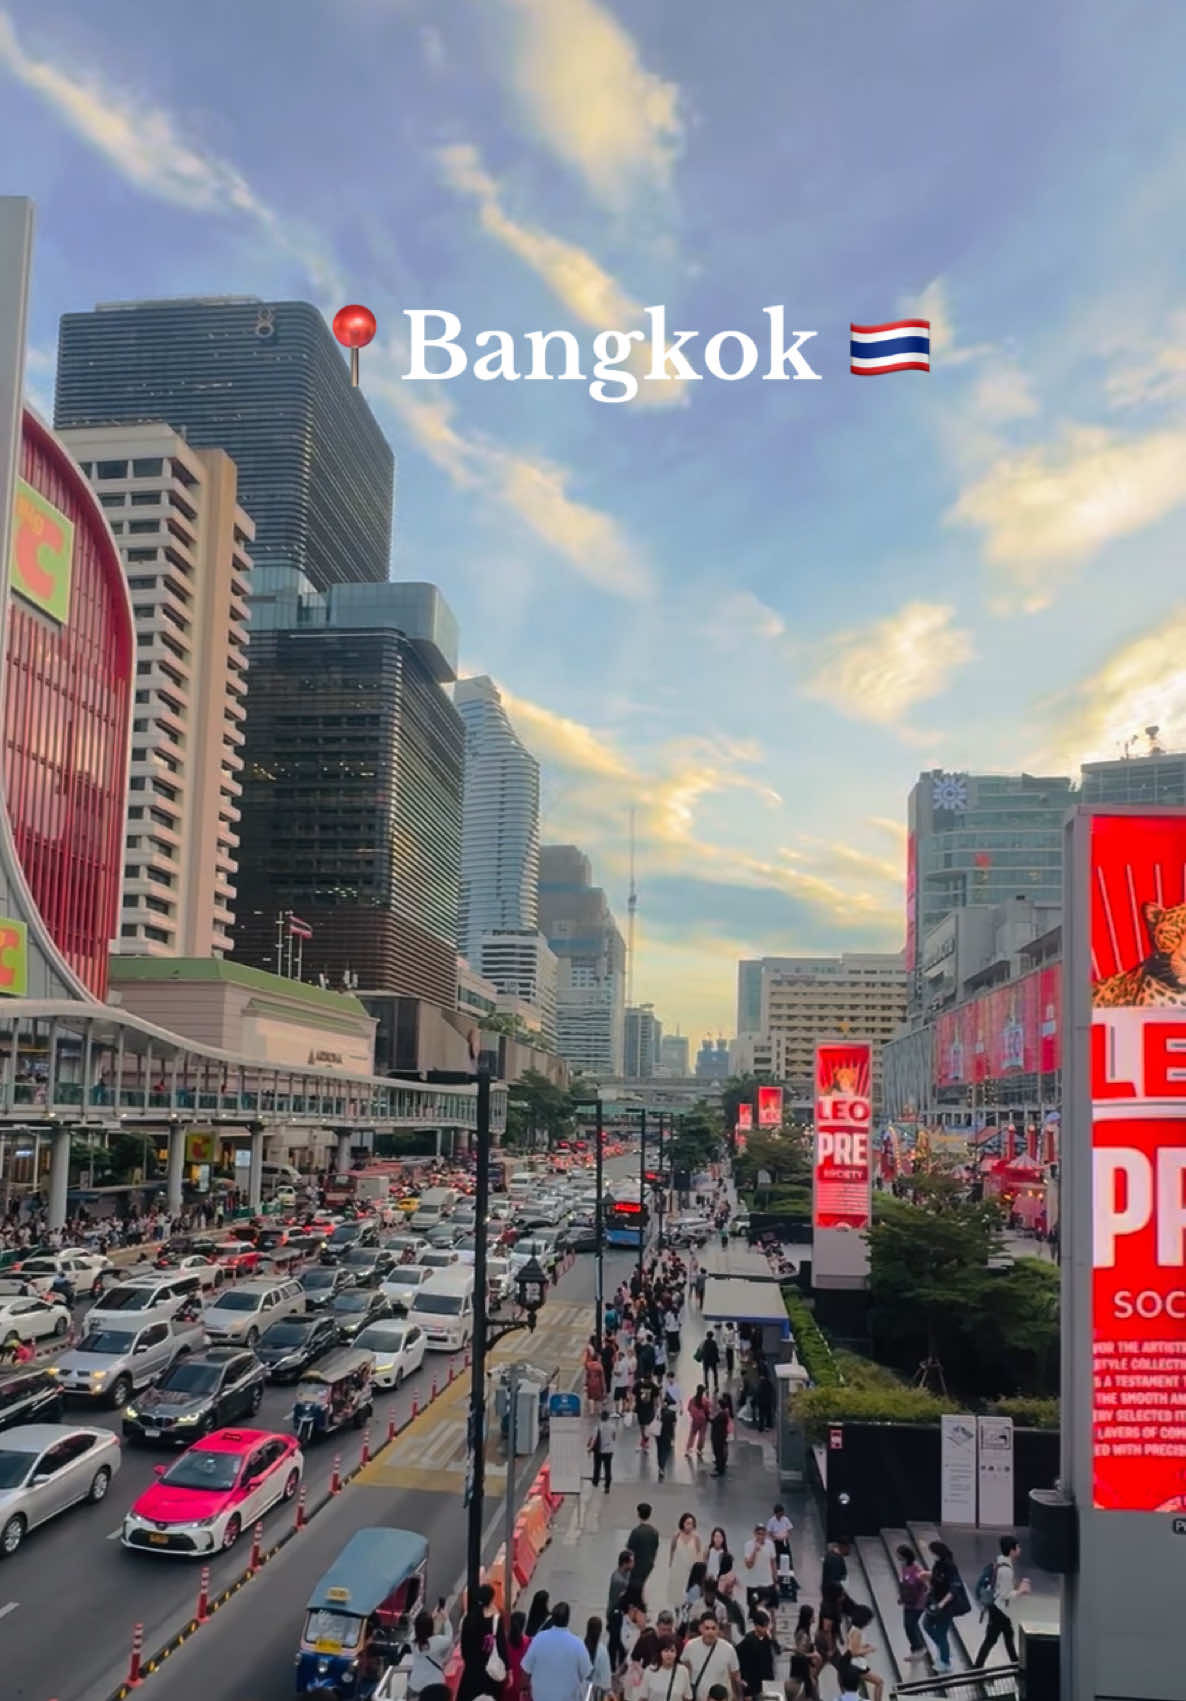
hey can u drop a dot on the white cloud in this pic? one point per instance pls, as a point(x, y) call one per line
point(568, 743)
point(1151, 370)
point(878, 672)
point(933, 303)
point(584, 90)
point(1141, 684)
point(1003, 393)
point(740, 619)
point(1044, 511)
point(885, 824)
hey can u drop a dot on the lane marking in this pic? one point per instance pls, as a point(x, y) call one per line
point(9, 1606)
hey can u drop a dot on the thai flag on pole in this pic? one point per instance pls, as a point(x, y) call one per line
point(904, 345)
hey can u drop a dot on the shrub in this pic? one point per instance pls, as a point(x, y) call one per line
point(1028, 1411)
point(816, 1408)
point(858, 1372)
point(811, 1344)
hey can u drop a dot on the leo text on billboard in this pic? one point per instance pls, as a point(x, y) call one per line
point(843, 1139)
point(1138, 1093)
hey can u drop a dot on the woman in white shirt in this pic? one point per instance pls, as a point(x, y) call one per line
point(686, 1549)
point(601, 1677)
point(432, 1643)
point(667, 1681)
point(718, 1561)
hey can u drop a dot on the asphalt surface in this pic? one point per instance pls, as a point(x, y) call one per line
point(70, 1597)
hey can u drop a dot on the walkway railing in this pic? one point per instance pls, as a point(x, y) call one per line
point(993, 1683)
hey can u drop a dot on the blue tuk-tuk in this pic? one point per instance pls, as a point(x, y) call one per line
point(359, 1618)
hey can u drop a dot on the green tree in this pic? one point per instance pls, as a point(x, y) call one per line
point(537, 1106)
point(785, 1157)
point(695, 1141)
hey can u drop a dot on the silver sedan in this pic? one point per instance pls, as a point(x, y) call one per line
point(45, 1468)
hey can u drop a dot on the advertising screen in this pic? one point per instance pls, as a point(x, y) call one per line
point(745, 1117)
point(769, 1107)
point(1138, 1100)
point(843, 1136)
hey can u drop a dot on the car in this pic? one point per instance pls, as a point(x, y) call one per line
point(466, 1249)
point(353, 1310)
point(498, 1279)
point(198, 1393)
point(209, 1274)
point(581, 1234)
point(345, 1236)
point(80, 1271)
point(401, 1285)
point(289, 1347)
point(114, 1359)
point(238, 1257)
point(28, 1396)
point(439, 1258)
point(370, 1264)
point(45, 1468)
point(407, 1247)
point(444, 1237)
point(325, 1283)
point(241, 1314)
point(398, 1350)
point(165, 1292)
point(29, 1318)
point(221, 1485)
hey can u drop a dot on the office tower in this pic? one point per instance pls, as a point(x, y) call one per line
point(183, 539)
point(749, 990)
point(521, 966)
point(644, 1033)
point(712, 1060)
point(266, 383)
point(673, 1056)
point(500, 823)
point(1152, 779)
point(575, 918)
point(808, 999)
point(352, 788)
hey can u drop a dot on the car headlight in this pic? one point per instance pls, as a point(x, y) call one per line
point(53, 1370)
point(130, 1412)
point(98, 1375)
point(205, 1523)
point(190, 1417)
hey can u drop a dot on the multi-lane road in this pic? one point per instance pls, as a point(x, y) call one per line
point(70, 1597)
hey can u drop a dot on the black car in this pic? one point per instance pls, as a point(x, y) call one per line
point(370, 1264)
point(324, 1285)
point(344, 1237)
point(580, 1235)
point(290, 1346)
point(28, 1396)
point(197, 1394)
point(353, 1310)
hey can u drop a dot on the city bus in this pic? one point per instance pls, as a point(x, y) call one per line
point(624, 1215)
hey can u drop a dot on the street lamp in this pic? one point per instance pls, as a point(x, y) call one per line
point(598, 1214)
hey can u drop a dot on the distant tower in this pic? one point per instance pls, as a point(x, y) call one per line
point(631, 910)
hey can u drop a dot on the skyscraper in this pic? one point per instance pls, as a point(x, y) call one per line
point(264, 381)
point(183, 540)
point(644, 1034)
point(575, 918)
point(673, 1055)
point(500, 823)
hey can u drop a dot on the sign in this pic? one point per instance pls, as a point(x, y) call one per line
point(836, 1439)
point(567, 1451)
point(994, 1447)
point(199, 1148)
point(14, 958)
point(957, 1470)
point(769, 1107)
point(42, 554)
point(745, 1117)
point(1137, 1072)
point(843, 1140)
point(764, 1178)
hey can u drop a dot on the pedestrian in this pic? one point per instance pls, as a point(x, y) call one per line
point(538, 1613)
point(432, 1643)
point(778, 1528)
point(912, 1597)
point(941, 1601)
point(1006, 1586)
point(709, 1355)
point(671, 1329)
point(601, 1444)
point(710, 1661)
point(730, 1350)
point(805, 1657)
point(643, 1542)
point(718, 1432)
point(699, 1413)
point(518, 1643)
point(686, 1549)
point(855, 1650)
point(835, 1567)
point(557, 1665)
point(761, 1564)
point(624, 1373)
point(667, 1680)
point(645, 1395)
point(644, 1353)
point(665, 1445)
point(602, 1676)
point(483, 1649)
point(718, 1560)
point(594, 1373)
point(755, 1655)
point(764, 1399)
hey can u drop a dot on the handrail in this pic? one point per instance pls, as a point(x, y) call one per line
point(984, 1683)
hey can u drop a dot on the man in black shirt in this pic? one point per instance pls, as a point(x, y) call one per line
point(755, 1655)
point(643, 1542)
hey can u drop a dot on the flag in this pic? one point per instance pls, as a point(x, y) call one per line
point(299, 929)
point(904, 345)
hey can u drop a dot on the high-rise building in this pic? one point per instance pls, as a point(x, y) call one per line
point(352, 788)
point(808, 999)
point(576, 920)
point(265, 382)
point(712, 1060)
point(749, 995)
point(521, 966)
point(673, 1056)
point(500, 823)
point(1154, 778)
point(644, 1034)
point(184, 540)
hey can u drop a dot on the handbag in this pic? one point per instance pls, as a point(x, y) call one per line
point(496, 1669)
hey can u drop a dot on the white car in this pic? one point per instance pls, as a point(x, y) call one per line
point(209, 1274)
point(31, 1319)
point(398, 1350)
point(45, 1468)
point(83, 1270)
point(498, 1279)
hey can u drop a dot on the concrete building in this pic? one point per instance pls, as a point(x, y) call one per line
point(759, 1054)
point(673, 1057)
point(575, 918)
point(522, 968)
point(807, 999)
point(500, 822)
point(644, 1034)
point(1154, 778)
point(184, 541)
point(712, 1060)
point(978, 947)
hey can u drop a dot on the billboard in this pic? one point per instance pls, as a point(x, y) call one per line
point(42, 562)
point(843, 1136)
point(14, 958)
point(769, 1107)
point(745, 1117)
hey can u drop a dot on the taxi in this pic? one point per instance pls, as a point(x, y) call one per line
point(238, 1257)
point(203, 1501)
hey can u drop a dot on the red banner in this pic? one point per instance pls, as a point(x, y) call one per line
point(1138, 1088)
point(843, 1138)
point(745, 1117)
point(769, 1107)
point(1049, 1020)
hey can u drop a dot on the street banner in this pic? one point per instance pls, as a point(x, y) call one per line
point(957, 1487)
point(745, 1117)
point(769, 1107)
point(994, 1472)
point(568, 1453)
point(842, 1204)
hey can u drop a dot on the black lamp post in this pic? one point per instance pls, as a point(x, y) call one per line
point(598, 1215)
point(642, 1186)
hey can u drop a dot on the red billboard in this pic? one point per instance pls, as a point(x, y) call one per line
point(1138, 1100)
point(769, 1107)
point(745, 1117)
point(843, 1135)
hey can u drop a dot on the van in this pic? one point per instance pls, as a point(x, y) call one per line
point(275, 1176)
point(520, 1185)
point(242, 1313)
point(163, 1294)
point(444, 1308)
point(442, 1200)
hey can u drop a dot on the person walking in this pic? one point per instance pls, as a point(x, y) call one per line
point(665, 1445)
point(432, 1643)
point(913, 1587)
point(710, 1361)
point(699, 1412)
point(761, 1564)
point(602, 1676)
point(645, 1395)
point(1006, 1586)
point(594, 1373)
point(518, 1643)
point(621, 1583)
point(730, 1350)
point(601, 1444)
point(643, 1542)
point(941, 1601)
point(483, 1649)
point(718, 1560)
point(686, 1548)
point(718, 1430)
point(755, 1656)
point(557, 1665)
point(667, 1680)
point(856, 1650)
point(711, 1660)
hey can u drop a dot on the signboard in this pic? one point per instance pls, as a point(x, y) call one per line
point(199, 1148)
point(842, 1202)
point(769, 1107)
point(957, 1468)
point(14, 958)
point(994, 1448)
point(745, 1117)
point(568, 1454)
point(42, 555)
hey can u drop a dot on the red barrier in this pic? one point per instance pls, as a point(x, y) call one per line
point(257, 1546)
point(391, 1429)
point(301, 1517)
point(523, 1555)
point(415, 1409)
point(335, 1480)
point(365, 1456)
point(433, 1395)
point(133, 1678)
point(203, 1612)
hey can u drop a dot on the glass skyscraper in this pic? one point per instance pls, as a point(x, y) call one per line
point(267, 383)
point(500, 832)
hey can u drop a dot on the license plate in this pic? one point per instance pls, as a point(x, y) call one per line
point(157, 1539)
point(327, 1646)
point(152, 1434)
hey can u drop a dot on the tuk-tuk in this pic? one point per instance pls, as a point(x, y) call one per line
point(358, 1621)
point(334, 1392)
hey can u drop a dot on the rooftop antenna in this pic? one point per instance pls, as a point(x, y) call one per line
point(631, 910)
point(1151, 733)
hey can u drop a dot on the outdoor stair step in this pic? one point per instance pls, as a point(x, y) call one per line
point(920, 1536)
point(882, 1578)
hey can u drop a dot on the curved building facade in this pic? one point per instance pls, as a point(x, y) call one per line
point(500, 823)
point(69, 661)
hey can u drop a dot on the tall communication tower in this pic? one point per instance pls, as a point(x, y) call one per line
point(631, 911)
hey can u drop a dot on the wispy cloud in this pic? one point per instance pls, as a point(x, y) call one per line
point(934, 303)
point(570, 744)
point(1151, 370)
point(1143, 683)
point(880, 671)
point(740, 619)
point(582, 87)
point(896, 830)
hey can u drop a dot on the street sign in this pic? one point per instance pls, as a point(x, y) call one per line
point(567, 1452)
point(565, 1405)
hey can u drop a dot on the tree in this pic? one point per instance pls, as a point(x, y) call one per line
point(538, 1106)
point(739, 1090)
point(785, 1157)
point(694, 1141)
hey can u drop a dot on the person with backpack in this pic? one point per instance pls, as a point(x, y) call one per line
point(996, 1587)
point(947, 1600)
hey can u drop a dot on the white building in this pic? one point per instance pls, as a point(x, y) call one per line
point(759, 1054)
point(500, 822)
point(644, 1035)
point(522, 967)
point(673, 1057)
point(183, 539)
point(808, 999)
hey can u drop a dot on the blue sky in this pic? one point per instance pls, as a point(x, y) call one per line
point(754, 611)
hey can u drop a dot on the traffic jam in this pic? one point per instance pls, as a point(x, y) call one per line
point(214, 1381)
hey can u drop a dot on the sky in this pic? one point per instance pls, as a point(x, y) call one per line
point(753, 612)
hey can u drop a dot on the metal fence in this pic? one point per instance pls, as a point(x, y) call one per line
point(994, 1683)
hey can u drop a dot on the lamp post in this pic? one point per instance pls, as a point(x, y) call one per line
point(598, 1214)
point(659, 1189)
point(642, 1186)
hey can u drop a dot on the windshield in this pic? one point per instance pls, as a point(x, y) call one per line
point(410, 1276)
point(344, 1233)
point(439, 1304)
point(352, 1301)
point(189, 1378)
point(14, 1467)
point(204, 1470)
point(39, 1267)
point(319, 1279)
point(111, 1342)
point(287, 1334)
point(128, 1299)
point(336, 1627)
point(362, 1257)
point(238, 1302)
point(376, 1338)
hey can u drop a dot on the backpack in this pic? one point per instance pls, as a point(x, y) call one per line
point(986, 1585)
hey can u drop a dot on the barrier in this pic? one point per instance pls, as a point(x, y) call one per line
point(134, 1678)
point(335, 1479)
point(257, 1544)
point(365, 1456)
point(496, 1577)
point(302, 1517)
point(203, 1612)
point(523, 1556)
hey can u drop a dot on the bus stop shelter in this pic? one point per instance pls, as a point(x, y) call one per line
point(730, 1299)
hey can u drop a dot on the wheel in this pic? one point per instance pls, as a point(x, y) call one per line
point(257, 1398)
point(12, 1535)
point(292, 1483)
point(100, 1483)
point(120, 1392)
point(252, 1337)
point(231, 1534)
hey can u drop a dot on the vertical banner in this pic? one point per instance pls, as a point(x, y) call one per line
point(843, 1168)
point(745, 1118)
point(769, 1107)
point(568, 1455)
point(957, 1487)
point(994, 1472)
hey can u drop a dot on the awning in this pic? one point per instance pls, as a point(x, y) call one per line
point(735, 1261)
point(729, 1300)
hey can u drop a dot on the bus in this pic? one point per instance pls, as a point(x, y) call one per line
point(625, 1215)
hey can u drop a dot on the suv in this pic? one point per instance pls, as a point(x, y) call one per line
point(117, 1357)
point(167, 1294)
point(242, 1313)
point(220, 1386)
point(28, 1396)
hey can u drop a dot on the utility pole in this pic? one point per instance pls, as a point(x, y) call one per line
point(631, 909)
point(642, 1187)
point(508, 1581)
point(598, 1231)
point(476, 1475)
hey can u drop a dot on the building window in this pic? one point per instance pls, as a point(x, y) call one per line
point(151, 468)
point(129, 930)
point(112, 499)
point(157, 933)
point(159, 905)
point(145, 498)
point(142, 554)
point(142, 526)
point(111, 469)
